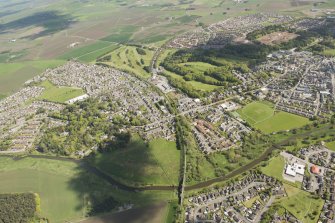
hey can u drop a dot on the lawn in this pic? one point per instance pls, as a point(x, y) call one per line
point(156, 163)
point(262, 116)
point(275, 167)
point(329, 52)
point(331, 145)
point(256, 112)
point(59, 94)
point(13, 75)
point(282, 121)
point(251, 201)
point(303, 205)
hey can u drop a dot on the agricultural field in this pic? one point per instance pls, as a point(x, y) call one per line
point(262, 116)
point(140, 164)
point(46, 31)
point(62, 197)
point(90, 52)
point(66, 189)
point(59, 94)
point(303, 205)
point(13, 75)
point(149, 214)
point(132, 59)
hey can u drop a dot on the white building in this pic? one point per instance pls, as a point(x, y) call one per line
point(293, 170)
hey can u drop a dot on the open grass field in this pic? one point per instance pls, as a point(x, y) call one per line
point(13, 75)
point(65, 188)
point(142, 164)
point(197, 67)
point(127, 58)
point(331, 145)
point(149, 214)
point(256, 112)
point(303, 205)
point(51, 180)
point(197, 85)
point(329, 52)
point(275, 167)
point(262, 116)
point(59, 94)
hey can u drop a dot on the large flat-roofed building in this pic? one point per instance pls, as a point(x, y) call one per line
point(293, 170)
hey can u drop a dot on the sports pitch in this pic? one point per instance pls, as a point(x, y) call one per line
point(262, 115)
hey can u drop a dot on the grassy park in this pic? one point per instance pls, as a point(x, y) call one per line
point(262, 116)
point(275, 167)
point(303, 205)
point(59, 94)
point(140, 164)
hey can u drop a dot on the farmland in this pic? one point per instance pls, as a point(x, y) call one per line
point(142, 164)
point(49, 179)
point(262, 116)
point(77, 187)
point(59, 94)
point(13, 75)
point(96, 27)
point(89, 53)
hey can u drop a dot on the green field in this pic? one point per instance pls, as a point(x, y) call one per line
point(275, 167)
point(262, 116)
point(303, 205)
point(59, 94)
point(142, 164)
point(256, 112)
point(91, 52)
point(197, 67)
point(62, 198)
point(127, 58)
point(13, 75)
point(329, 52)
point(65, 188)
point(197, 85)
point(122, 34)
point(331, 145)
